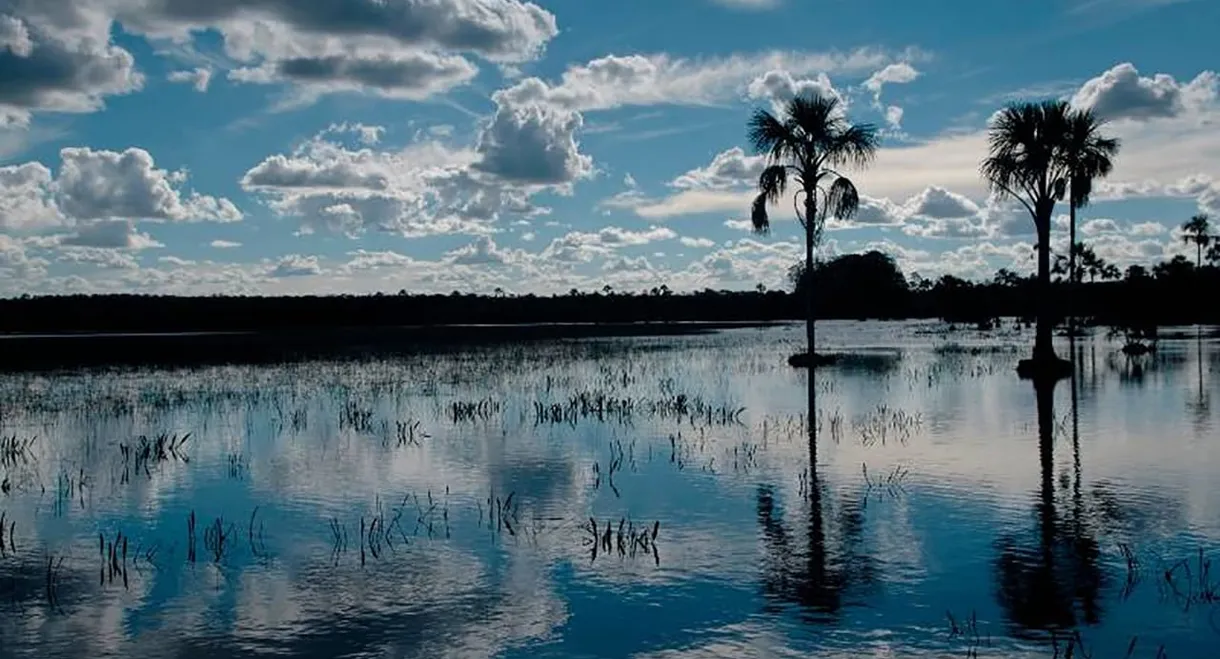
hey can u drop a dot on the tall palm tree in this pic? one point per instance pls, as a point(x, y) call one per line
point(1089, 156)
point(807, 145)
point(1026, 160)
point(1197, 230)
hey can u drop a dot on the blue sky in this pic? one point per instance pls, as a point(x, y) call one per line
point(269, 146)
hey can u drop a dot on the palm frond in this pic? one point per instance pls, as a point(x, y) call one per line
point(842, 200)
point(758, 215)
point(772, 182)
point(768, 135)
point(1087, 154)
point(815, 118)
point(854, 145)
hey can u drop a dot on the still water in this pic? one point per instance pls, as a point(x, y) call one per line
point(644, 497)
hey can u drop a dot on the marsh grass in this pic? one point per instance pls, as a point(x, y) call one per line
point(883, 424)
point(145, 453)
point(1189, 581)
point(8, 536)
point(628, 541)
point(15, 451)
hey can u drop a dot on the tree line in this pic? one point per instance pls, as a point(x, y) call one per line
point(852, 286)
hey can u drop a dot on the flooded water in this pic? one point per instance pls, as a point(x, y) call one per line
point(621, 498)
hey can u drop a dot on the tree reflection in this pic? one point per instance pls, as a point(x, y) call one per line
point(1200, 407)
point(815, 565)
point(1053, 582)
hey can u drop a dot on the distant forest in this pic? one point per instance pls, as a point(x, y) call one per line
point(854, 286)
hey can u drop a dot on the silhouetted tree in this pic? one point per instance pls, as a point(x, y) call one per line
point(1197, 230)
point(868, 285)
point(1088, 156)
point(1026, 161)
point(807, 145)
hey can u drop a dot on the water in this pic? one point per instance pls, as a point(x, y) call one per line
point(942, 518)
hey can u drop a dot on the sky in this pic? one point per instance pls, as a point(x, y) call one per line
point(354, 146)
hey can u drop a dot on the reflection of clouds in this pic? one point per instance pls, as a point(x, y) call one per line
point(478, 593)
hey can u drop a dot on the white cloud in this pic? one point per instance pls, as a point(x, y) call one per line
point(108, 184)
point(897, 73)
point(199, 78)
point(296, 265)
point(59, 56)
point(659, 79)
point(224, 244)
point(696, 243)
point(96, 197)
point(110, 234)
point(780, 87)
point(483, 251)
point(425, 188)
point(1121, 93)
point(531, 141)
point(729, 169)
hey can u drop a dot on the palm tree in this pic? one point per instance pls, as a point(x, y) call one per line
point(1088, 156)
point(807, 145)
point(1197, 231)
point(1027, 143)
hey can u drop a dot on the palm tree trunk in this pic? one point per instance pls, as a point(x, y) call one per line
point(810, 318)
point(1198, 254)
point(1044, 349)
point(1073, 276)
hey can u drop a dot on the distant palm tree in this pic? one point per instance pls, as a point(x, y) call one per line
point(1088, 156)
point(807, 145)
point(1027, 143)
point(1197, 231)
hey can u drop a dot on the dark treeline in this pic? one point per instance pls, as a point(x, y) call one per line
point(854, 286)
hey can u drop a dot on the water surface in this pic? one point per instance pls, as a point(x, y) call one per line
point(442, 505)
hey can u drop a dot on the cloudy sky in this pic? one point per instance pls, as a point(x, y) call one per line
point(276, 146)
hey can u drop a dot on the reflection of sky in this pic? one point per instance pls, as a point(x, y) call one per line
point(278, 439)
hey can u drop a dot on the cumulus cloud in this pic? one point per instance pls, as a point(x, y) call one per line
point(57, 55)
point(660, 79)
point(483, 251)
point(410, 75)
point(729, 169)
point(780, 87)
point(107, 184)
point(199, 78)
point(224, 244)
point(1122, 93)
point(296, 265)
point(531, 141)
point(97, 196)
point(110, 234)
point(425, 188)
point(696, 243)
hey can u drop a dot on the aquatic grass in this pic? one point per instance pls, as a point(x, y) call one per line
point(628, 541)
point(890, 484)
point(216, 538)
point(409, 433)
point(146, 452)
point(884, 423)
point(53, 571)
point(9, 535)
point(968, 629)
point(15, 451)
point(114, 558)
point(461, 411)
point(1190, 582)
